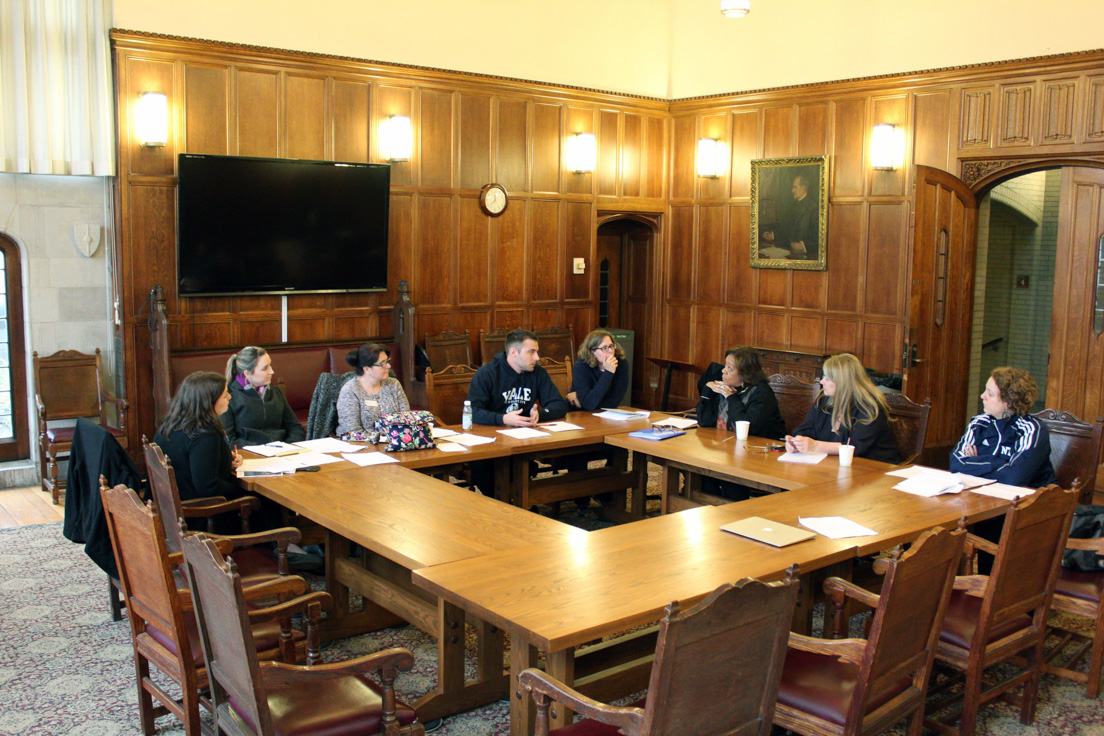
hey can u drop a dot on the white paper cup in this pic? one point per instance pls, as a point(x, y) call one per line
point(742, 429)
point(846, 454)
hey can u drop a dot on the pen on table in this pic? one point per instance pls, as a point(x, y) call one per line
point(730, 437)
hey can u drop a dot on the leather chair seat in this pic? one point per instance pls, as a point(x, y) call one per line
point(823, 686)
point(962, 617)
point(590, 727)
point(265, 636)
point(346, 706)
point(65, 434)
point(1085, 586)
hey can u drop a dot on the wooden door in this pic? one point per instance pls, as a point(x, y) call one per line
point(608, 263)
point(942, 301)
point(1075, 380)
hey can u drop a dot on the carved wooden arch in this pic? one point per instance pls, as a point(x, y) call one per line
point(983, 174)
point(652, 220)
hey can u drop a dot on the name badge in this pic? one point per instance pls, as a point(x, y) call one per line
point(371, 402)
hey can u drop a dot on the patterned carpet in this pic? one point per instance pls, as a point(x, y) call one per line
point(67, 670)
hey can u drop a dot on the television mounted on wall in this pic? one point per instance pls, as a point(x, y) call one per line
point(280, 226)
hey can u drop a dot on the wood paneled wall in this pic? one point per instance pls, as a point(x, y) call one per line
point(465, 270)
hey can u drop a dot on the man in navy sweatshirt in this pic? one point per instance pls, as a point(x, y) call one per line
point(513, 390)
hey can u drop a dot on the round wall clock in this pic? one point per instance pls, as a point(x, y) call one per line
point(493, 199)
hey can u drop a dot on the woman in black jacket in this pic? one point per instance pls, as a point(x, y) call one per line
point(742, 394)
point(258, 412)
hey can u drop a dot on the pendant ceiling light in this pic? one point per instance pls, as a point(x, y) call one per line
point(735, 8)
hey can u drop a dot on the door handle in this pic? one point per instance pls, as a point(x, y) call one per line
point(913, 360)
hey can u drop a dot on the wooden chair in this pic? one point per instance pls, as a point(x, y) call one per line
point(69, 385)
point(446, 391)
point(557, 343)
point(852, 687)
point(1078, 593)
point(1001, 617)
point(716, 670)
point(162, 626)
point(448, 348)
point(1074, 450)
point(559, 372)
point(911, 425)
point(493, 342)
point(794, 399)
point(257, 563)
point(251, 698)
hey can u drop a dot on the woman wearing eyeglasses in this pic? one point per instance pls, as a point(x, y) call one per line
point(742, 394)
point(600, 376)
point(371, 394)
point(258, 413)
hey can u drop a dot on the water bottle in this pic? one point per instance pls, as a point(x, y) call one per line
point(466, 419)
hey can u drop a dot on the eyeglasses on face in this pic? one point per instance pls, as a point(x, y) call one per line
point(602, 348)
point(384, 364)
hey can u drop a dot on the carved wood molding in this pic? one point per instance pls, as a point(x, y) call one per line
point(981, 173)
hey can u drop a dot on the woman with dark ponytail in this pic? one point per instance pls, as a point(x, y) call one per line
point(371, 394)
point(258, 412)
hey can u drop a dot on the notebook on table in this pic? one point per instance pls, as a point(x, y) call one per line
point(768, 532)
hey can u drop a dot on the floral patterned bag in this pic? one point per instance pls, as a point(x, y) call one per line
point(406, 430)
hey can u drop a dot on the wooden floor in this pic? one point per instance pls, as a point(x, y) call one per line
point(27, 506)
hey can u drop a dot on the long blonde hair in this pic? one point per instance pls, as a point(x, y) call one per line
point(853, 387)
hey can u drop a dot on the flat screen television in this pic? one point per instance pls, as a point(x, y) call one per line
point(280, 226)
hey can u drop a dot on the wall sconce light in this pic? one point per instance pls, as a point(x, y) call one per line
point(582, 153)
point(396, 138)
point(887, 147)
point(710, 162)
point(151, 119)
point(735, 8)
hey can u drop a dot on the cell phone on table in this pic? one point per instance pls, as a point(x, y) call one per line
point(307, 469)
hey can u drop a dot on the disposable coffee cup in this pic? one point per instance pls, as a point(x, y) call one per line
point(846, 454)
point(742, 429)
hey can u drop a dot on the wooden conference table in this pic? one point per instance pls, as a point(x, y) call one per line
point(560, 595)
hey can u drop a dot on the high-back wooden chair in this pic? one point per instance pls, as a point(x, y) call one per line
point(1079, 593)
point(794, 399)
point(448, 348)
point(910, 426)
point(69, 385)
point(162, 626)
point(251, 698)
point(1005, 617)
point(853, 687)
point(560, 373)
point(446, 391)
point(1074, 450)
point(493, 342)
point(716, 669)
point(557, 343)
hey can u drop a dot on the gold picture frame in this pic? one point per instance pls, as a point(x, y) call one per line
point(789, 213)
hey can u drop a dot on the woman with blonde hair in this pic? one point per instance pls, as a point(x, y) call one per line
point(850, 410)
point(258, 412)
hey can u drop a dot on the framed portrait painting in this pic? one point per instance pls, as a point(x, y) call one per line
point(789, 213)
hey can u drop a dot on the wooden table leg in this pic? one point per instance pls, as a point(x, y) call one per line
point(669, 485)
point(561, 666)
point(519, 480)
point(502, 479)
point(523, 655)
point(640, 485)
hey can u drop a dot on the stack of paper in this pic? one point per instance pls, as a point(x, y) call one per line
point(370, 458)
point(273, 449)
point(441, 432)
point(680, 422)
point(835, 527)
point(329, 444)
point(267, 466)
point(620, 415)
point(805, 458)
point(559, 426)
point(451, 447)
point(1001, 490)
point(928, 482)
point(524, 433)
point(471, 440)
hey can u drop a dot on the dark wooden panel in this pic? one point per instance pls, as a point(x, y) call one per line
point(711, 253)
point(848, 153)
point(151, 245)
point(607, 152)
point(741, 287)
point(400, 239)
point(771, 330)
point(145, 75)
point(306, 117)
point(812, 130)
point(473, 258)
point(254, 333)
point(475, 141)
point(579, 232)
point(258, 120)
point(547, 145)
point(892, 110)
point(655, 167)
point(436, 137)
point(396, 101)
point(364, 301)
point(509, 318)
point(846, 277)
point(579, 120)
point(207, 332)
point(885, 259)
point(881, 347)
point(580, 321)
point(543, 318)
point(510, 253)
point(352, 112)
point(841, 336)
point(932, 131)
point(806, 334)
point(307, 330)
point(473, 322)
point(680, 265)
point(707, 341)
point(716, 128)
point(678, 332)
point(250, 305)
point(356, 328)
point(739, 328)
point(631, 153)
point(809, 289)
point(510, 161)
point(307, 302)
point(682, 157)
point(544, 251)
point(433, 265)
point(778, 132)
point(774, 287)
point(206, 102)
point(745, 147)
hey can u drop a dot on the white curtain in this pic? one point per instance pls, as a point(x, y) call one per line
point(55, 87)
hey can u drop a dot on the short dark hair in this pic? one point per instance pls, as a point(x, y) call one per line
point(517, 337)
point(748, 365)
point(366, 356)
point(193, 408)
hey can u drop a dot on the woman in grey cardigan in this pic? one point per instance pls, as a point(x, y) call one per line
point(369, 395)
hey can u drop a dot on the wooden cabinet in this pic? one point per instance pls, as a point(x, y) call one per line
point(802, 366)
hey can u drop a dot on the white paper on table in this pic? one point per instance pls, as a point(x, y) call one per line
point(930, 484)
point(967, 481)
point(268, 465)
point(370, 458)
point(329, 444)
point(524, 433)
point(308, 458)
point(558, 426)
point(451, 447)
point(1003, 490)
point(619, 415)
point(835, 527)
point(471, 440)
point(680, 422)
point(273, 449)
point(440, 432)
point(805, 458)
